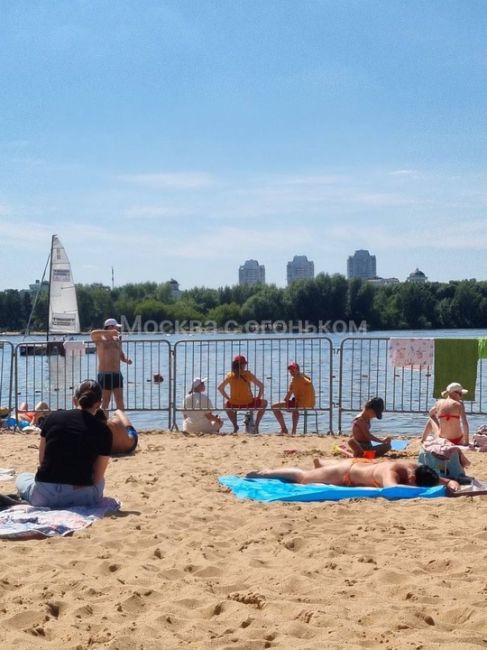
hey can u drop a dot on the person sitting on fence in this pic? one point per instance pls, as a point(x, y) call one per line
point(33, 418)
point(300, 395)
point(359, 472)
point(361, 439)
point(447, 418)
point(198, 416)
point(241, 397)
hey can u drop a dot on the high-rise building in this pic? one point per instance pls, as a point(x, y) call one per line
point(251, 272)
point(361, 265)
point(300, 269)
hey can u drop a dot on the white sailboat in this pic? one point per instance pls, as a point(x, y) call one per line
point(63, 303)
point(63, 315)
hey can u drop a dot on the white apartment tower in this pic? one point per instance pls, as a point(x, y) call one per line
point(361, 265)
point(251, 272)
point(300, 269)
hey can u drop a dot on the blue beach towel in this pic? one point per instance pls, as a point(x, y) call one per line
point(264, 489)
point(396, 445)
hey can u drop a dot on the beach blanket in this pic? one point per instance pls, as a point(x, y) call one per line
point(6, 474)
point(31, 522)
point(456, 360)
point(274, 490)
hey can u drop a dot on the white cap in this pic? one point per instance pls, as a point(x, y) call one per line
point(197, 381)
point(111, 322)
point(455, 387)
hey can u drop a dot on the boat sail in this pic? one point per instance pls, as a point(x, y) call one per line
point(63, 315)
point(63, 304)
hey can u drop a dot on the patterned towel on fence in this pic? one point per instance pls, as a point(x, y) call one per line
point(263, 489)
point(413, 352)
point(30, 522)
point(456, 360)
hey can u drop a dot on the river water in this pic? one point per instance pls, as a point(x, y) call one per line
point(209, 355)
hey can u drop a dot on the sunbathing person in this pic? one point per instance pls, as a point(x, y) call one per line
point(361, 439)
point(359, 472)
point(36, 417)
point(124, 437)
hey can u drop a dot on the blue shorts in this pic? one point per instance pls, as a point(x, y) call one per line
point(110, 380)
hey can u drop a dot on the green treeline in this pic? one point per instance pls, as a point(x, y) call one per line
point(459, 304)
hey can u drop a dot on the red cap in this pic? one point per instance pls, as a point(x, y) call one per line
point(239, 359)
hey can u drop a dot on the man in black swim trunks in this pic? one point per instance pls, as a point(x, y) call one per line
point(110, 354)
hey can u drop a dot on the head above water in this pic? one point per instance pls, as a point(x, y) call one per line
point(426, 476)
point(88, 393)
point(376, 404)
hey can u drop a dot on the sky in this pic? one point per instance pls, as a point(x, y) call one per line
point(177, 139)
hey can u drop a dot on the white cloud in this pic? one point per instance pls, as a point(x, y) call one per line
point(172, 180)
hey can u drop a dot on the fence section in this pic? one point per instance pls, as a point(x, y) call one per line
point(6, 375)
point(365, 371)
point(50, 374)
point(268, 360)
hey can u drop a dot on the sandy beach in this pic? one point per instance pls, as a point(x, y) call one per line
point(185, 564)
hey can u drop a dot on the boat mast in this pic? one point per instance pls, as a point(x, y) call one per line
point(27, 329)
point(49, 290)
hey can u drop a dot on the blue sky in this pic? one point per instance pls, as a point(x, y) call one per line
point(180, 138)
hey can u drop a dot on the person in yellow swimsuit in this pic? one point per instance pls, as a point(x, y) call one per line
point(300, 395)
point(241, 397)
point(359, 472)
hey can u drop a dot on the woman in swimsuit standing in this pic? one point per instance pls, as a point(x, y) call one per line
point(448, 418)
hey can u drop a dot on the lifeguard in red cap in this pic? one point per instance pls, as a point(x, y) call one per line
point(300, 395)
point(241, 397)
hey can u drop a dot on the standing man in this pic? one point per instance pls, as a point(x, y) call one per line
point(108, 343)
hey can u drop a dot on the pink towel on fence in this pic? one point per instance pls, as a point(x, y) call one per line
point(411, 352)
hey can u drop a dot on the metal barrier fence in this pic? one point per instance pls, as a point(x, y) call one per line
point(268, 360)
point(161, 374)
point(49, 374)
point(365, 370)
point(6, 374)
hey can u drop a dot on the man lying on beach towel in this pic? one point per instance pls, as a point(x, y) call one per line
point(360, 472)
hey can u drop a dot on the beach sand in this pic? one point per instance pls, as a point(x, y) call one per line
point(188, 565)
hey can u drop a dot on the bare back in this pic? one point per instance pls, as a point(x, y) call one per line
point(449, 415)
point(362, 472)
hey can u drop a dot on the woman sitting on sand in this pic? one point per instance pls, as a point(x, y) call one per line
point(355, 472)
point(74, 452)
point(361, 438)
point(36, 417)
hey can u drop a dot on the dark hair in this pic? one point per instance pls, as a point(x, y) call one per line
point(88, 393)
point(426, 476)
point(377, 405)
point(236, 367)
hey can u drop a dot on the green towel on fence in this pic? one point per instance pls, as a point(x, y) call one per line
point(456, 360)
point(483, 348)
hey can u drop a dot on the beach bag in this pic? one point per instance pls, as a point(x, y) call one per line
point(445, 467)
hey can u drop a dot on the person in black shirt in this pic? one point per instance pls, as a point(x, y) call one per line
point(74, 452)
